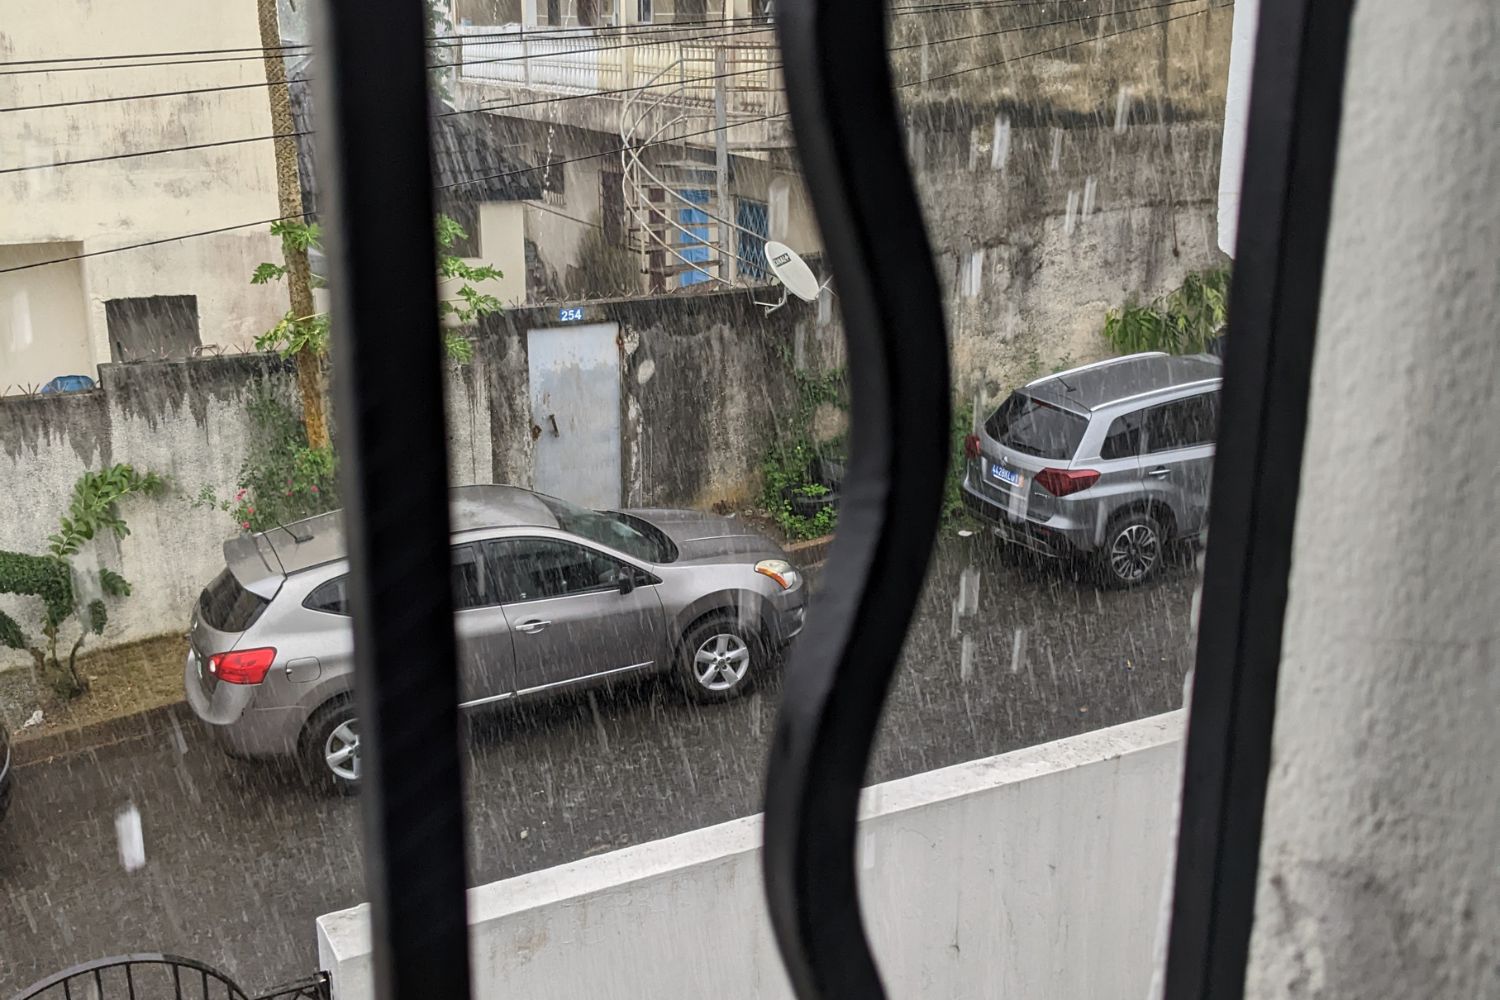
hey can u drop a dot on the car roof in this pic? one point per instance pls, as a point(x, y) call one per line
point(1093, 386)
point(314, 541)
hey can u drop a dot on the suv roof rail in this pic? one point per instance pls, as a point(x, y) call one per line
point(1095, 364)
point(1161, 391)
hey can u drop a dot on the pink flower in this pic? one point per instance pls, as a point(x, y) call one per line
point(245, 525)
point(240, 495)
point(288, 492)
point(314, 489)
point(250, 510)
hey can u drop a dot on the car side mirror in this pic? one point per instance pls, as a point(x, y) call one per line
point(627, 580)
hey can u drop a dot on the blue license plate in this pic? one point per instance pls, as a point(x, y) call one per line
point(1008, 476)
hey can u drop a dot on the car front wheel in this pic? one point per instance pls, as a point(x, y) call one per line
point(720, 658)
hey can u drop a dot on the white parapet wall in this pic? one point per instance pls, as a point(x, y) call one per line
point(1034, 874)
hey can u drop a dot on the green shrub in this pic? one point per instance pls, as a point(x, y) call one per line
point(1181, 322)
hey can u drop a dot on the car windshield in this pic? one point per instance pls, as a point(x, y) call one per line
point(1035, 427)
point(619, 531)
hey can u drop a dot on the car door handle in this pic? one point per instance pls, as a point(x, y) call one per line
point(1160, 471)
point(532, 627)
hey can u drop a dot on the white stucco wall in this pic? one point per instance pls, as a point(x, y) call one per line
point(1382, 837)
point(139, 199)
point(1034, 874)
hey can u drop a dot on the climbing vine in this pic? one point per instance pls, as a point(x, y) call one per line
point(92, 510)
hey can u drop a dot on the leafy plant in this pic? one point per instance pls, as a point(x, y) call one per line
point(1181, 322)
point(787, 469)
point(293, 333)
point(92, 510)
point(953, 497)
point(282, 479)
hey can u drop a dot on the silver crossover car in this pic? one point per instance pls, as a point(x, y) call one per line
point(1110, 461)
point(550, 597)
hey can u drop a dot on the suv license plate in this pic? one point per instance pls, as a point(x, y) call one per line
point(1005, 475)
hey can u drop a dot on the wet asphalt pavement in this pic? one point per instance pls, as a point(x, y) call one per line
point(241, 857)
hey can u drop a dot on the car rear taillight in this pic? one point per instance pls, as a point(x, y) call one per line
point(243, 666)
point(971, 445)
point(1062, 482)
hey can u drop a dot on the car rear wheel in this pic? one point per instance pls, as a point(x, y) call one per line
point(720, 659)
point(330, 747)
point(1134, 547)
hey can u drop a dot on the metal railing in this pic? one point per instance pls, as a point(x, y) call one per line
point(155, 976)
point(574, 62)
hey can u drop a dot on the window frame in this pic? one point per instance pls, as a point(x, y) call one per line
point(641, 577)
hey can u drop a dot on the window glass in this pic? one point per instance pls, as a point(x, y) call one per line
point(1124, 437)
point(469, 590)
point(1036, 427)
point(530, 569)
point(1183, 423)
point(630, 535)
point(227, 606)
point(331, 597)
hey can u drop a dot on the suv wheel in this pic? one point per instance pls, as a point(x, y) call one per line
point(330, 747)
point(1133, 550)
point(720, 658)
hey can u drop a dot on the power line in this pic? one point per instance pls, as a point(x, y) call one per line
point(609, 152)
point(308, 79)
point(560, 98)
point(256, 53)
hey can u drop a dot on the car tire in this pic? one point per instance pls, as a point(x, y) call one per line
point(721, 658)
point(1135, 545)
point(329, 733)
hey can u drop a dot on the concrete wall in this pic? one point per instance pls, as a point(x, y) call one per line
point(1034, 874)
point(706, 387)
point(135, 200)
point(1382, 836)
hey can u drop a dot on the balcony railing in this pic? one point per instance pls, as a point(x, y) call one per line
point(614, 65)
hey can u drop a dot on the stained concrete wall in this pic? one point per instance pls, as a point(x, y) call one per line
point(1382, 824)
point(1033, 874)
point(706, 381)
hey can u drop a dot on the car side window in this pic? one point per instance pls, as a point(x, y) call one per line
point(530, 569)
point(1183, 423)
point(469, 588)
point(1123, 440)
point(331, 597)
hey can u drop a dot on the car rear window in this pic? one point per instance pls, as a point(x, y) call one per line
point(1036, 427)
point(227, 606)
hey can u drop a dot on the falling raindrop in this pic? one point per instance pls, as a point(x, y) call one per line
point(1071, 218)
point(1000, 146)
point(1090, 187)
point(1122, 109)
point(1057, 138)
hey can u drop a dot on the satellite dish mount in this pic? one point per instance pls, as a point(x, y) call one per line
point(792, 273)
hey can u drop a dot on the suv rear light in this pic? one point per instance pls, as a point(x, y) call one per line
point(971, 445)
point(1061, 482)
point(243, 666)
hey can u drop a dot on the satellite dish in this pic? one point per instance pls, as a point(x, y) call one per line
point(793, 273)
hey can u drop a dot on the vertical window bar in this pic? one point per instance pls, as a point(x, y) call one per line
point(1295, 103)
point(843, 110)
point(389, 395)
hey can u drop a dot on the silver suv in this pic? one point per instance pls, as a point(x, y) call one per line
point(1110, 461)
point(550, 597)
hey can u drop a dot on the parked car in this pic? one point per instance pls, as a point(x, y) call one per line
point(6, 778)
point(1110, 461)
point(550, 597)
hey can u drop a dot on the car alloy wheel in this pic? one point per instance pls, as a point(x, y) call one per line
point(341, 751)
point(721, 662)
point(1134, 552)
